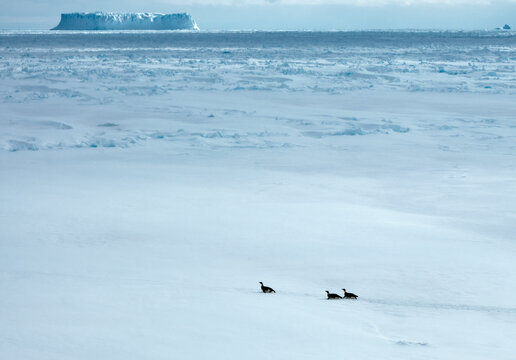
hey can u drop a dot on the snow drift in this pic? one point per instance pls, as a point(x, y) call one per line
point(126, 21)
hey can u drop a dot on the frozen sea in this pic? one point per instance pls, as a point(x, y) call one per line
point(150, 180)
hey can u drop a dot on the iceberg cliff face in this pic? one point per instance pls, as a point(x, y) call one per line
point(126, 21)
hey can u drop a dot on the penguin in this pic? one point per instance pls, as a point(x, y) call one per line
point(333, 296)
point(267, 289)
point(348, 295)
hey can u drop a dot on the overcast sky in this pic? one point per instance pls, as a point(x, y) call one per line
point(281, 14)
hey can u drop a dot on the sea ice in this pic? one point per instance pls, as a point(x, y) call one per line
point(150, 180)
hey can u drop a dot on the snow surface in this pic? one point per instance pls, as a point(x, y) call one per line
point(125, 21)
point(149, 181)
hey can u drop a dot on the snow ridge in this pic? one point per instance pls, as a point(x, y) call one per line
point(126, 21)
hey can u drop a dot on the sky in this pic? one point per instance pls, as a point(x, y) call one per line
point(281, 14)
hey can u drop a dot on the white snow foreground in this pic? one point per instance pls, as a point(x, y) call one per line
point(126, 21)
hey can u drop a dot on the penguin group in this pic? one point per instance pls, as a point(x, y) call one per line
point(347, 295)
point(331, 296)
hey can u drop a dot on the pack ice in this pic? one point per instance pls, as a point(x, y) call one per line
point(126, 21)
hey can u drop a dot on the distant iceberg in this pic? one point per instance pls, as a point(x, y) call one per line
point(505, 27)
point(126, 21)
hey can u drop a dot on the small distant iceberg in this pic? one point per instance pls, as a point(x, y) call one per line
point(505, 27)
point(126, 21)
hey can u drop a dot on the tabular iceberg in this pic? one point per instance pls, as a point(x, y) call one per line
point(126, 21)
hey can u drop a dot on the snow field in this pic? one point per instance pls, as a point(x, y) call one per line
point(138, 223)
